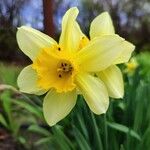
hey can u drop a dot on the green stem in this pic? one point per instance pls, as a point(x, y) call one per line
point(97, 134)
point(106, 132)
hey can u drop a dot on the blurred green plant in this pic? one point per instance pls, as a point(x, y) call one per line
point(144, 61)
point(8, 74)
point(7, 119)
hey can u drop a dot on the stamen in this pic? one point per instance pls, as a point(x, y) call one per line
point(60, 75)
point(64, 69)
point(59, 48)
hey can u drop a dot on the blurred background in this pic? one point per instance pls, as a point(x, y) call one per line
point(126, 125)
point(131, 19)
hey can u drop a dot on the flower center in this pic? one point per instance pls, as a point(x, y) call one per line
point(64, 68)
point(55, 70)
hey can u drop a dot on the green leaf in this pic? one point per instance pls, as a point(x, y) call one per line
point(97, 133)
point(5, 96)
point(3, 121)
point(81, 140)
point(34, 110)
point(22, 140)
point(39, 130)
point(124, 129)
point(62, 139)
point(82, 125)
point(41, 141)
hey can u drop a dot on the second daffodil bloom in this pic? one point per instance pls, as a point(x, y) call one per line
point(66, 68)
point(131, 66)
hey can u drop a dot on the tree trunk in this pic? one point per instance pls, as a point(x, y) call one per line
point(48, 17)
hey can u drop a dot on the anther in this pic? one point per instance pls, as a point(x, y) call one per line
point(59, 48)
point(65, 64)
point(60, 75)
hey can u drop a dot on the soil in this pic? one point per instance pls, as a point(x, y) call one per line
point(7, 142)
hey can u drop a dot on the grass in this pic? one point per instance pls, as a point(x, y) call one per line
point(125, 126)
point(9, 73)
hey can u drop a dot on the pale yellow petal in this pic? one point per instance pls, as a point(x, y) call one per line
point(112, 78)
point(57, 106)
point(77, 38)
point(31, 41)
point(70, 36)
point(94, 92)
point(100, 53)
point(126, 53)
point(101, 25)
point(27, 82)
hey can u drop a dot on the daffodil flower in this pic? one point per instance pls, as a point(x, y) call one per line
point(62, 69)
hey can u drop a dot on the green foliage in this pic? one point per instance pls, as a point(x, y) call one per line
point(8, 74)
point(7, 116)
point(144, 62)
point(17, 110)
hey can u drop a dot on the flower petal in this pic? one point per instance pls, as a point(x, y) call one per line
point(77, 37)
point(31, 41)
point(101, 52)
point(112, 78)
point(71, 32)
point(56, 106)
point(101, 25)
point(126, 53)
point(27, 81)
point(94, 92)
